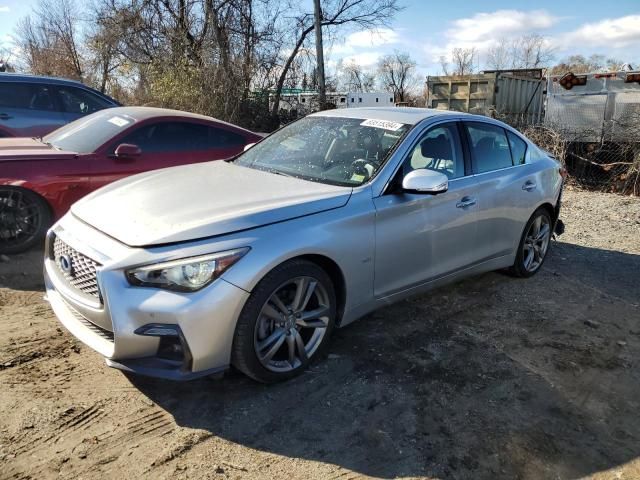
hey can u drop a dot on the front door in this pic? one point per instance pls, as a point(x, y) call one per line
point(163, 144)
point(421, 237)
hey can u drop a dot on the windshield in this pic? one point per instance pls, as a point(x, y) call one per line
point(333, 150)
point(88, 133)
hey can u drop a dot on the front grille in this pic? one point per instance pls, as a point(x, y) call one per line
point(103, 332)
point(79, 270)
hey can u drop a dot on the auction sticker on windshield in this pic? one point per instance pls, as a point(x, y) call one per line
point(393, 126)
point(119, 121)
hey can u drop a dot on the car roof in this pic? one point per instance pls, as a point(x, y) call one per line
point(145, 113)
point(25, 78)
point(21, 77)
point(407, 115)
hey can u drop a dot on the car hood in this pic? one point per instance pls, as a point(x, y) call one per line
point(201, 200)
point(12, 149)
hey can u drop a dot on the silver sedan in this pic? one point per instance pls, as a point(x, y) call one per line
point(252, 262)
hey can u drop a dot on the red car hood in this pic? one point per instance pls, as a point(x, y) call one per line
point(12, 149)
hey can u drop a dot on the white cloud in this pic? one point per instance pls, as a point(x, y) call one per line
point(4, 9)
point(357, 41)
point(373, 38)
point(364, 59)
point(486, 27)
point(612, 33)
point(483, 30)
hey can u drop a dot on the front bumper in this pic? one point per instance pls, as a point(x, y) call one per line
point(114, 325)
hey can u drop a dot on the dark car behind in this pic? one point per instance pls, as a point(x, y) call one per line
point(32, 106)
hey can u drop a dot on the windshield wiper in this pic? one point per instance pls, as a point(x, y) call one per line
point(278, 172)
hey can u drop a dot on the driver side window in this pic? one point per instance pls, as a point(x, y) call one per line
point(439, 149)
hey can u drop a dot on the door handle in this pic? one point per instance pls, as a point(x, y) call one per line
point(529, 186)
point(5, 116)
point(466, 202)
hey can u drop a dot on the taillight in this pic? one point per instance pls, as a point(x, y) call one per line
point(605, 75)
point(632, 77)
point(563, 172)
point(569, 80)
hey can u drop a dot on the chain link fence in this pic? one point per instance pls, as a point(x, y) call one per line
point(611, 163)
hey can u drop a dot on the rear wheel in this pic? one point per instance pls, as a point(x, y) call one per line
point(534, 244)
point(24, 219)
point(286, 322)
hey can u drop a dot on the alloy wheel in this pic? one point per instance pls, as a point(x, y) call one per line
point(20, 218)
point(536, 243)
point(292, 324)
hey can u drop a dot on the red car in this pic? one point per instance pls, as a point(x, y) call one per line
point(41, 177)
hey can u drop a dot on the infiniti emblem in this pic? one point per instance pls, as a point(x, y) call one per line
point(65, 264)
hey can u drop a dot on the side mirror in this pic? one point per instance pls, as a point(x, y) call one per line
point(248, 146)
point(425, 181)
point(127, 151)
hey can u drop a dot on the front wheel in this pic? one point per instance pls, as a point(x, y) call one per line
point(24, 219)
point(285, 323)
point(534, 244)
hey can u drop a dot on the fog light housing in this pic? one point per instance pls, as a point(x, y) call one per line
point(172, 347)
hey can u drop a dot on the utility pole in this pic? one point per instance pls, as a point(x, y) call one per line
point(320, 54)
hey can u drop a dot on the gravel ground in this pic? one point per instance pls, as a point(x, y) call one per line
point(492, 377)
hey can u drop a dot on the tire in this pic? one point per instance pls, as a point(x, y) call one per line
point(265, 334)
point(24, 219)
point(531, 255)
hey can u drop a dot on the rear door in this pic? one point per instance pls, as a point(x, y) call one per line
point(507, 187)
point(420, 237)
point(28, 109)
point(78, 102)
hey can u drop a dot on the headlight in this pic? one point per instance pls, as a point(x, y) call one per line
point(187, 274)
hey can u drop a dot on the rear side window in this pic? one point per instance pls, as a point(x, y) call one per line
point(26, 96)
point(518, 148)
point(76, 100)
point(219, 137)
point(489, 147)
point(181, 136)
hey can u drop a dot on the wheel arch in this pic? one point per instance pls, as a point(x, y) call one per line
point(31, 190)
point(337, 278)
point(335, 274)
point(553, 211)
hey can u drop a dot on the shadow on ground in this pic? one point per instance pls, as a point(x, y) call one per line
point(491, 377)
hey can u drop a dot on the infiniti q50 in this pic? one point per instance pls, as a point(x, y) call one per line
point(251, 263)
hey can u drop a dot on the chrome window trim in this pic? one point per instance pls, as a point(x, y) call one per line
point(499, 170)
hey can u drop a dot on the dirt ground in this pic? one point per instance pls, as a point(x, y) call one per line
point(493, 377)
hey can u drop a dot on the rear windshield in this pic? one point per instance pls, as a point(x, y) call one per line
point(86, 134)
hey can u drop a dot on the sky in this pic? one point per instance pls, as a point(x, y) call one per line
point(427, 29)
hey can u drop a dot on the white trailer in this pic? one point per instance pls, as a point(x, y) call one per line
point(595, 107)
point(370, 99)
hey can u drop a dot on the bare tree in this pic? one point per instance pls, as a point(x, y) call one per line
point(532, 51)
point(50, 39)
point(356, 78)
point(582, 64)
point(500, 56)
point(463, 60)
point(217, 57)
point(103, 56)
point(444, 64)
point(335, 13)
point(527, 51)
point(397, 73)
